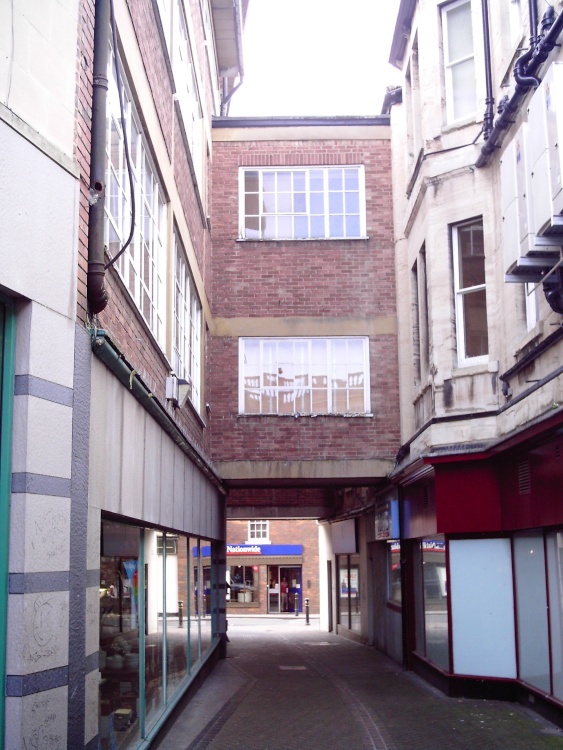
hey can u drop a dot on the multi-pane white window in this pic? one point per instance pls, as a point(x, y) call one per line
point(304, 376)
point(209, 38)
point(187, 91)
point(470, 292)
point(142, 265)
point(187, 327)
point(258, 531)
point(459, 60)
point(176, 35)
point(302, 203)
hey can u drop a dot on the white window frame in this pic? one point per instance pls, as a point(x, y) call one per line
point(176, 33)
point(532, 305)
point(515, 20)
point(258, 532)
point(186, 342)
point(315, 181)
point(460, 294)
point(143, 264)
point(451, 62)
point(298, 398)
point(187, 90)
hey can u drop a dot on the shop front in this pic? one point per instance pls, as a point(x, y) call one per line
point(156, 626)
point(482, 561)
point(265, 578)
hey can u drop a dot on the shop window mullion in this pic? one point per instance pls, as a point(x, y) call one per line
point(142, 633)
point(164, 625)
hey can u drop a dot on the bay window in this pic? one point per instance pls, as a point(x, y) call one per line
point(288, 376)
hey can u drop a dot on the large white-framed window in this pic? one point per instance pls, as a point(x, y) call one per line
point(209, 38)
point(187, 90)
point(532, 305)
point(142, 266)
point(187, 326)
point(470, 292)
point(302, 203)
point(459, 60)
point(289, 376)
point(177, 38)
point(258, 531)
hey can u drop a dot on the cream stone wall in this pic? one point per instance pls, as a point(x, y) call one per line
point(433, 190)
point(37, 40)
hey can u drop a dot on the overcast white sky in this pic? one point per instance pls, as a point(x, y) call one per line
point(316, 57)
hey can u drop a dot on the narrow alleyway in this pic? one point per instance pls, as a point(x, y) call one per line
point(287, 685)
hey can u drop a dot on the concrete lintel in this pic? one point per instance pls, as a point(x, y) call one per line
point(296, 326)
point(322, 471)
point(248, 512)
point(329, 132)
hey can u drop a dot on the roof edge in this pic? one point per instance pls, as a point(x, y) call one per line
point(288, 122)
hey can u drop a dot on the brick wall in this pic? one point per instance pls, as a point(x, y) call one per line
point(121, 318)
point(314, 280)
point(283, 531)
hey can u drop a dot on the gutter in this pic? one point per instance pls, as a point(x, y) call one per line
point(297, 121)
point(107, 352)
point(525, 73)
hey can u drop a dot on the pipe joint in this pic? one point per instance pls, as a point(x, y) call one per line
point(97, 294)
point(100, 80)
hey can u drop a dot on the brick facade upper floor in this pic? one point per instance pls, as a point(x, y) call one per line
point(330, 277)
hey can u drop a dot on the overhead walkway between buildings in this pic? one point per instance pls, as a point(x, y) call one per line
point(287, 685)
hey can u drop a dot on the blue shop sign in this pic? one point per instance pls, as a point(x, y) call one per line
point(260, 550)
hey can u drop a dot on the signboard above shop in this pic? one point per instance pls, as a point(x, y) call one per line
point(265, 550)
point(387, 519)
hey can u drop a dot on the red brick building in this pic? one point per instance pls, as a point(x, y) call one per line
point(302, 355)
point(272, 566)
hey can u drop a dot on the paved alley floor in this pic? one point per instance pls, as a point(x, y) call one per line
point(289, 686)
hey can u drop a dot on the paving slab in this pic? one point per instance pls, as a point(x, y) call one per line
point(286, 685)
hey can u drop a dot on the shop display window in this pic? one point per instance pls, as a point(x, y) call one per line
point(155, 625)
point(240, 583)
point(394, 572)
point(435, 590)
point(349, 591)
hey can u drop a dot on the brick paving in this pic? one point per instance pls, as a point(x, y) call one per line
point(289, 686)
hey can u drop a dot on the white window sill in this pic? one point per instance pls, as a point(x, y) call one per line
point(305, 416)
point(463, 123)
point(257, 541)
point(304, 239)
point(531, 338)
point(475, 368)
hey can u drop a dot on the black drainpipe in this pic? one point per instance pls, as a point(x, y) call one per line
point(489, 101)
point(97, 294)
point(525, 74)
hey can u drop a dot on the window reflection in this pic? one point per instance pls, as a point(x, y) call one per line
point(435, 601)
point(155, 624)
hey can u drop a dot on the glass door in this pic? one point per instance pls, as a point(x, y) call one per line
point(274, 603)
point(290, 589)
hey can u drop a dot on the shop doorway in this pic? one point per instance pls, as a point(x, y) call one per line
point(284, 589)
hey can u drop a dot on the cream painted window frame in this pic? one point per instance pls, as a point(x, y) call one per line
point(306, 195)
point(460, 293)
point(286, 398)
point(143, 264)
point(451, 62)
